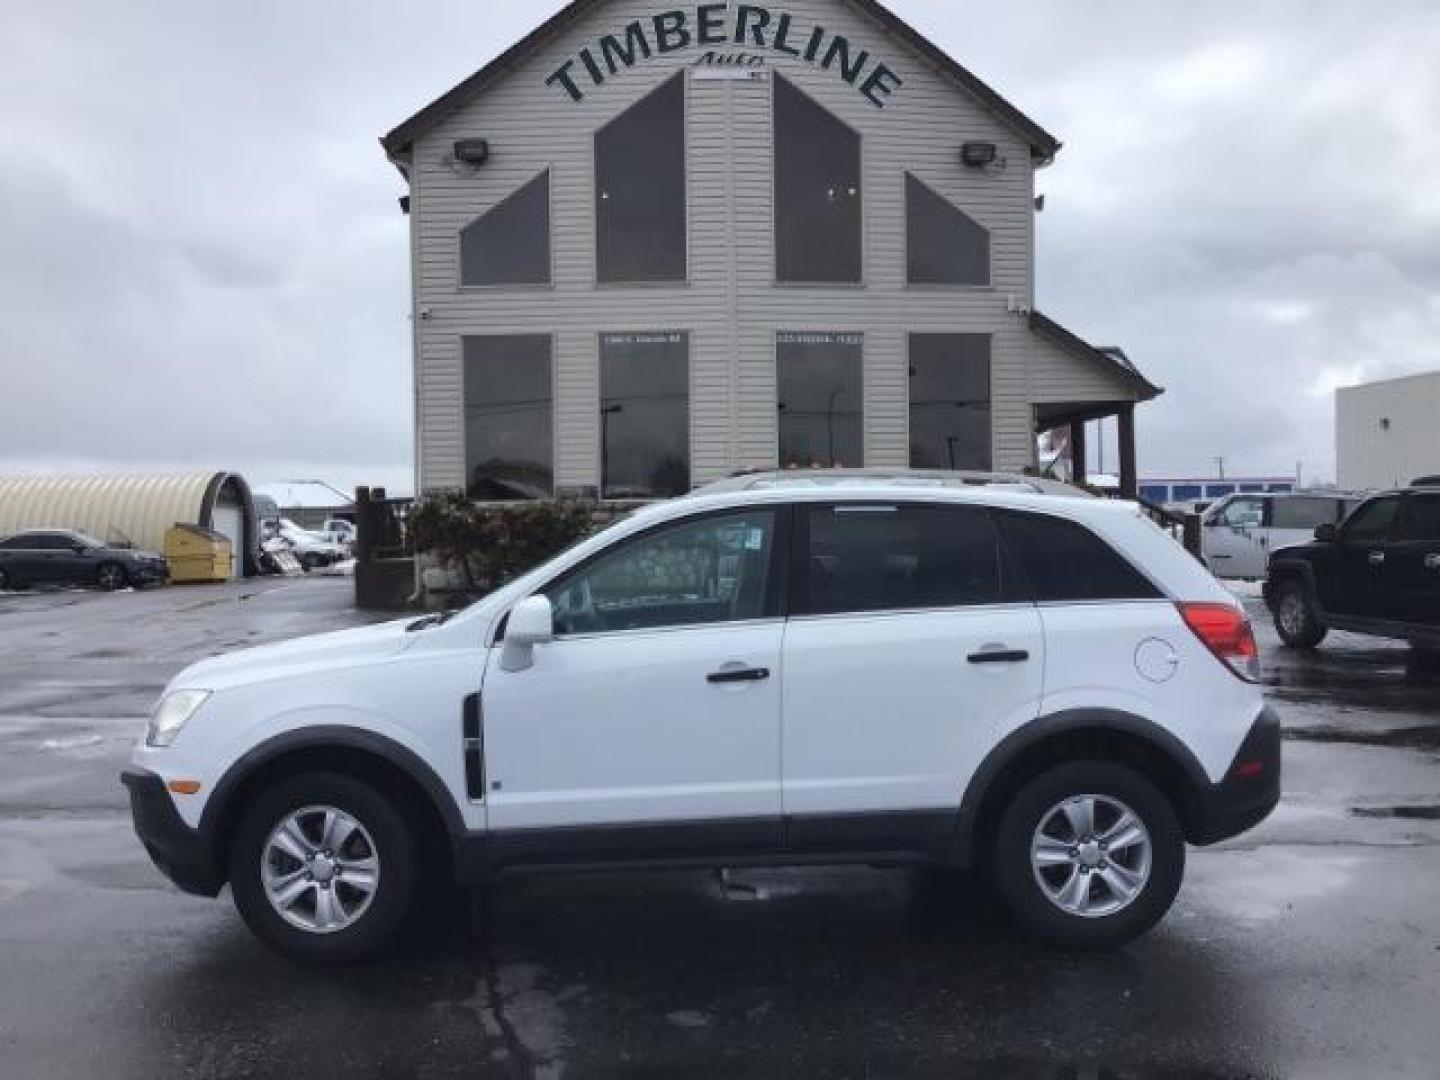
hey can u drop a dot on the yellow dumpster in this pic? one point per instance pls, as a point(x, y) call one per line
point(198, 554)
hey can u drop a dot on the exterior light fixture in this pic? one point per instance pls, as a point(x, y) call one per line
point(977, 155)
point(474, 152)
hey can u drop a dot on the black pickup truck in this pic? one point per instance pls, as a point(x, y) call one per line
point(1378, 572)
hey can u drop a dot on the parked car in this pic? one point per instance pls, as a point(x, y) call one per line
point(339, 531)
point(61, 557)
point(1378, 573)
point(1239, 532)
point(312, 549)
point(766, 672)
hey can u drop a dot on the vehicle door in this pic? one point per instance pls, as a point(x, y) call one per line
point(48, 559)
point(1356, 585)
point(1413, 563)
point(658, 702)
point(1233, 539)
point(911, 650)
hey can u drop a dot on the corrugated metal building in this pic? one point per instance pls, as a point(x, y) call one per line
point(1387, 434)
point(134, 510)
point(654, 245)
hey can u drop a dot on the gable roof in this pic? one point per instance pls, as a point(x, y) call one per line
point(1110, 358)
point(1043, 145)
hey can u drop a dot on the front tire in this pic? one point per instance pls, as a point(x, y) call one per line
point(1089, 855)
point(323, 868)
point(1296, 620)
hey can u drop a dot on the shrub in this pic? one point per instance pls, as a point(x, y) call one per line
point(493, 545)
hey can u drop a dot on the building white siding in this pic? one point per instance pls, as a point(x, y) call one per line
point(731, 306)
point(1388, 433)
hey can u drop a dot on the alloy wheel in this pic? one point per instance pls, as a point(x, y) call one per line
point(320, 869)
point(1091, 856)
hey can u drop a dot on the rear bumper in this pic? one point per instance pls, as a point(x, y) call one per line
point(1250, 790)
point(180, 852)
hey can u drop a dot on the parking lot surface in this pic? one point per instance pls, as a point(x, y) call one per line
point(1310, 947)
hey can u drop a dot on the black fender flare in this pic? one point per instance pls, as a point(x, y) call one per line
point(1011, 748)
point(330, 737)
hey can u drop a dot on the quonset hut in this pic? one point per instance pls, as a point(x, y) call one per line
point(135, 511)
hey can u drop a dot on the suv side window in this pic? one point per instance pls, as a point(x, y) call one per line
point(871, 558)
point(1067, 563)
point(1420, 521)
point(1305, 513)
point(1371, 524)
point(702, 571)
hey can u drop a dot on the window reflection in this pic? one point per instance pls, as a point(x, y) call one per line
point(819, 379)
point(817, 192)
point(640, 190)
point(645, 414)
point(510, 245)
point(950, 401)
point(508, 418)
point(944, 245)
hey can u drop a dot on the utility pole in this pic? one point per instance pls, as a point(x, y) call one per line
point(1220, 464)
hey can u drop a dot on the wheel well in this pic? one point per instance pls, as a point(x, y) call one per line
point(385, 776)
point(1086, 744)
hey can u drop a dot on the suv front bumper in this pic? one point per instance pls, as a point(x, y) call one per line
point(181, 853)
point(1250, 790)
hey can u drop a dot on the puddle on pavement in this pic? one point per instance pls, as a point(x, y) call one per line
point(1418, 737)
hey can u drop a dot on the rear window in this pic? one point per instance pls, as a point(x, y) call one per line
point(1067, 563)
point(1303, 513)
point(869, 558)
point(1420, 520)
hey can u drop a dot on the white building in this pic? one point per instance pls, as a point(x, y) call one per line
point(656, 244)
point(1388, 433)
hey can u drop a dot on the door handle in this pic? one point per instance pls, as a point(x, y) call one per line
point(738, 675)
point(999, 656)
point(1377, 558)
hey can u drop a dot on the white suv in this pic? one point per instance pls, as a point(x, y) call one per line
point(770, 673)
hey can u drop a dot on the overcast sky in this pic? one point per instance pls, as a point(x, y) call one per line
point(202, 262)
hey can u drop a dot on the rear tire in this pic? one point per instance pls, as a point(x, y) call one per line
point(1104, 884)
point(110, 577)
point(1296, 620)
point(318, 898)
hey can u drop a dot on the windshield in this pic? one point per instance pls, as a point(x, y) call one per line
point(88, 541)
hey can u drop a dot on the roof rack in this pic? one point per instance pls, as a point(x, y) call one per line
point(919, 478)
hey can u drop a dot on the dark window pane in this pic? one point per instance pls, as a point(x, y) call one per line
point(950, 401)
point(508, 417)
point(821, 405)
point(1302, 513)
point(817, 191)
point(640, 190)
point(1372, 522)
point(945, 246)
point(1066, 563)
point(645, 414)
point(877, 558)
point(510, 245)
point(714, 570)
point(1420, 523)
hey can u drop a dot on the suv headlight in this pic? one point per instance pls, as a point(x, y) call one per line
point(173, 712)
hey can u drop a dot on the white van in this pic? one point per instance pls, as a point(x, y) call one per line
point(1241, 531)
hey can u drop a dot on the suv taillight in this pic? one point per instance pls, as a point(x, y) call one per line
point(1226, 632)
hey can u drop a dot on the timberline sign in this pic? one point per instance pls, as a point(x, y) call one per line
point(711, 26)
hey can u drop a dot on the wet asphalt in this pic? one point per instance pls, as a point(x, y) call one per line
point(1308, 948)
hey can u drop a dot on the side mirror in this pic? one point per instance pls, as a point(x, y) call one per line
point(532, 622)
point(1327, 534)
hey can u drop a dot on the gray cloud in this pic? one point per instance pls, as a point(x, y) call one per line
point(199, 245)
